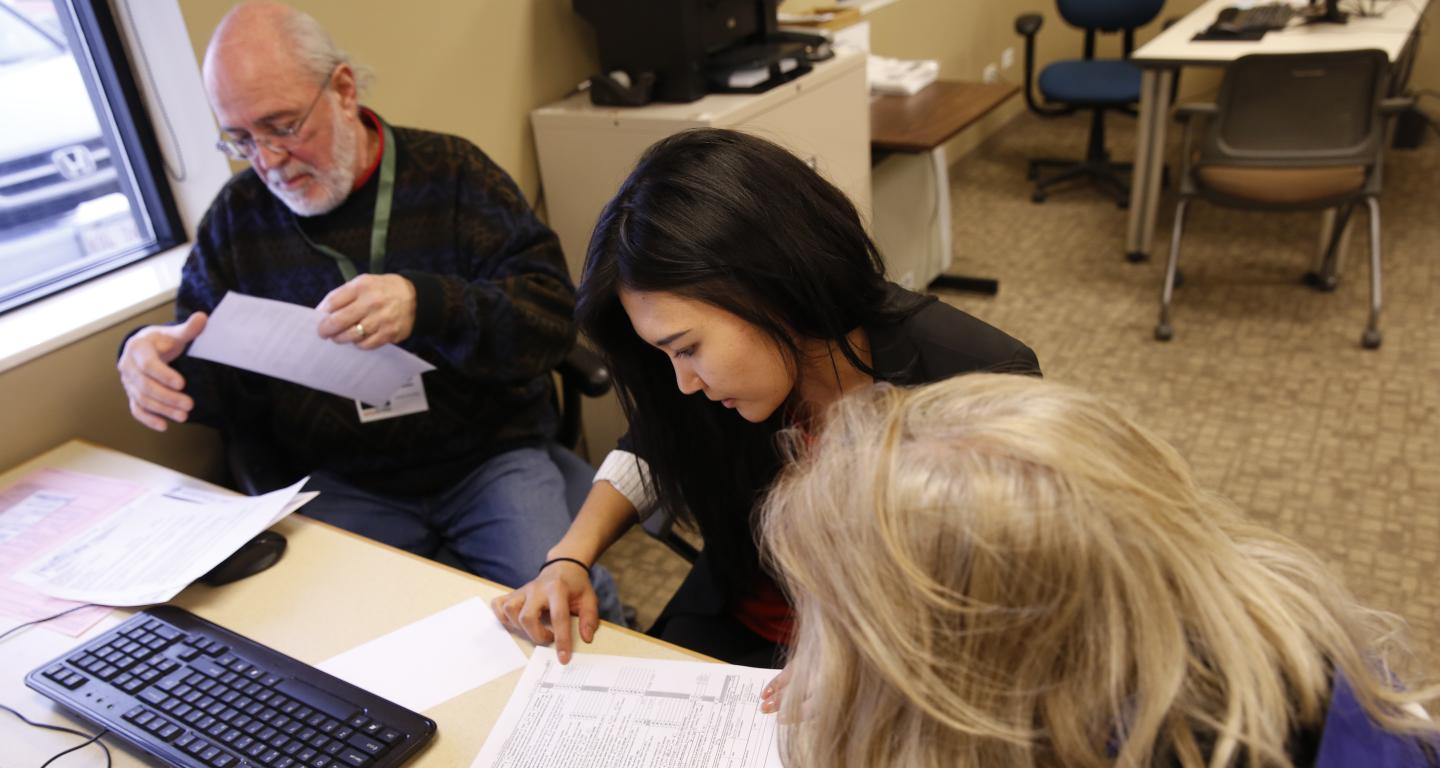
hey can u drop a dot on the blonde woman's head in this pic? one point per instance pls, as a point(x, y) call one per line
point(999, 570)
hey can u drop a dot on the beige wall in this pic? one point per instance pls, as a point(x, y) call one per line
point(474, 68)
point(74, 392)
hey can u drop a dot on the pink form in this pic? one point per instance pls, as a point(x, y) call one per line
point(43, 509)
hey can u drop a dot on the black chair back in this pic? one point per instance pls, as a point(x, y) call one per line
point(1299, 110)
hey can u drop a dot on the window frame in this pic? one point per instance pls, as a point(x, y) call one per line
point(96, 44)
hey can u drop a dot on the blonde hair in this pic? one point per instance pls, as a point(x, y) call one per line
point(999, 570)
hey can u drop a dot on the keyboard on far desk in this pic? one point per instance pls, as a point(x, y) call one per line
point(195, 694)
point(1257, 18)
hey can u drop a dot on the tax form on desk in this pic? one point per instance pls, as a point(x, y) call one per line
point(148, 550)
point(604, 711)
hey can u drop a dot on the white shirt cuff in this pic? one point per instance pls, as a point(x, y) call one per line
point(627, 472)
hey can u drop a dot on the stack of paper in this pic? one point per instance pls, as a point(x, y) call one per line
point(619, 712)
point(155, 546)
point(901, 76)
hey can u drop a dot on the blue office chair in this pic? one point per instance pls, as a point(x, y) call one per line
point(1095, 84)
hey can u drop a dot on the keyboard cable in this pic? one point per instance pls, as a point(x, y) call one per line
point(46, 726)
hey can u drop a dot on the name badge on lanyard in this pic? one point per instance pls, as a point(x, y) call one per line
point(411, 397)
point(406, 400)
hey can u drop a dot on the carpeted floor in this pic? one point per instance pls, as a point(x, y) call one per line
point(1265, 387)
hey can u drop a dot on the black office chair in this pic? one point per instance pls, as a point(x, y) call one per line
point(1099, 85)
point(1291, 132)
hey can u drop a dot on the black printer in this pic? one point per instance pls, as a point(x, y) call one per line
point(680, 50)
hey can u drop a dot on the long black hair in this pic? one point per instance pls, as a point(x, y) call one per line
point(742, 224)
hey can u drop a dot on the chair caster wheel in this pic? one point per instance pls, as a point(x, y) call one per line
point(1038, 197)
point(1319, 282)
point(1371, 339)
point(1163, 332)
point(1135, 257)
point(1179, 278)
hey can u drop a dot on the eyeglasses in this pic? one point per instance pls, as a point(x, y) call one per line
point(274, 139)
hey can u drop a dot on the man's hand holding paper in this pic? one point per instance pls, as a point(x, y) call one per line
point(283, 340)
point(369, 311)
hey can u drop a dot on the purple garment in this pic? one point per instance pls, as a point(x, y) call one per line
point(1351, 739)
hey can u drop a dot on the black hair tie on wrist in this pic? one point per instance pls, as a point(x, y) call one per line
point(555, 560)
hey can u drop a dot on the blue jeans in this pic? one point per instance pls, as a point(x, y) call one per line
point(497, 523)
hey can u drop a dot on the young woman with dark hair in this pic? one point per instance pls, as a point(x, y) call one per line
point(726, 267)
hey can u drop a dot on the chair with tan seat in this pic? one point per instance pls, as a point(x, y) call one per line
point(1290, 132)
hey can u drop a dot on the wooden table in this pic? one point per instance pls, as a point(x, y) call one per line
point(928, 119)
point(331, 591)
point(921, 124)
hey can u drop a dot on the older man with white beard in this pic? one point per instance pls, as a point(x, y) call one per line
point(399, 236)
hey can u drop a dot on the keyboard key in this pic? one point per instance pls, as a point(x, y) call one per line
point(366, 744)
point(197, 746)
point(389, 735)
point(154, 695)
point(223, 760)
point(355, 758)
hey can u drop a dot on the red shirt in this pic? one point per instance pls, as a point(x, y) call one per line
point(764, 611)
point(374, 120)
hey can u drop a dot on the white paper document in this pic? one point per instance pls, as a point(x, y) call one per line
point(434, 659)
point(280, 339)
point(155, 546)
point(604, 711)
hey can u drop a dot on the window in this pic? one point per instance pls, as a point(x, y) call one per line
point(82, 188)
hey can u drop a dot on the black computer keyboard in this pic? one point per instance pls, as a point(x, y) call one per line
point(192, 693)
point(1258, 18)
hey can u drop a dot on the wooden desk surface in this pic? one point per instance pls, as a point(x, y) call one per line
point(331, 591)
point(921, 122)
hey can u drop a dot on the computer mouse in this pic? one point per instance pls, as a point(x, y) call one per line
point(251, 558)
point(1227, 14)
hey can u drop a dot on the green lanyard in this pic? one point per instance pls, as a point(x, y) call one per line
point(383, 198)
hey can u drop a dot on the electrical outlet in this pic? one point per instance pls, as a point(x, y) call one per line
point(1007, 58)
point(991, 73)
